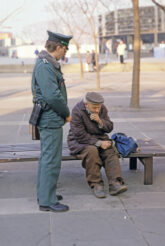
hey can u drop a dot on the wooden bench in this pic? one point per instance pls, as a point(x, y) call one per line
point(30, 152)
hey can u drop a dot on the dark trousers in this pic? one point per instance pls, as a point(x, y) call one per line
point(94, 158)
point(121, 59)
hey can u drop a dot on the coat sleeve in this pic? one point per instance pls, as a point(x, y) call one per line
point(78, 130)
point(47, 81)
point(107, 123)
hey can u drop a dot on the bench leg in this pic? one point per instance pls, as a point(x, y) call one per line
point(148, 170)
point(133, 163)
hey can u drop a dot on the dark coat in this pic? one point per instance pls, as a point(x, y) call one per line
point(83, 131)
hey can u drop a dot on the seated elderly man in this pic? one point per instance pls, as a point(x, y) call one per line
point(88, 139)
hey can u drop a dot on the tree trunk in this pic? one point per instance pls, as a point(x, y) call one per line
point(97, 64)
point(136, 64)
point(80, 60)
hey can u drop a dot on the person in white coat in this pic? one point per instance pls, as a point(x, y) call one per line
point(121, 51)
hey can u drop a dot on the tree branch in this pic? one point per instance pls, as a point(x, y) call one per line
point(159, 5)
point(14, 12)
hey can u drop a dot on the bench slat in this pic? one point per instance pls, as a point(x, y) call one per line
point(19, 147)
point(31, 151)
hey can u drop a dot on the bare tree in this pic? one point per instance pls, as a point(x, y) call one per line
point(89, 10)
point(12, 14)
point(65, 11)
point(136, 64)
point(159, 5)
point(112, 4)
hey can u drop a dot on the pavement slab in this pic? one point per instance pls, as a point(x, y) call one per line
point(134, 218)
point(25, 229)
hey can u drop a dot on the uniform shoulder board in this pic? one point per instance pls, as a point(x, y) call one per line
point(45, 61)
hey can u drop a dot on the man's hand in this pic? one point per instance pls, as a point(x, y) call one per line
point(105, 144)
point(68, 119)
point(96, 118)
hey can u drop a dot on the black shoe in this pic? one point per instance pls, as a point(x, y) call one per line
point(57, 207)
point(59, 197)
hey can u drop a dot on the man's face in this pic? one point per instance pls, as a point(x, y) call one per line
point(60, 52)
point(93, 108)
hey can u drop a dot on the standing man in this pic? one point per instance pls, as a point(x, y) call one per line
point(49, 89)
point(88, 139)
point(93, 61)
point(88, 59)
point(121, 51)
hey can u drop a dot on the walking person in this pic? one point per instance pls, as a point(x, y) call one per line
point(121, 51)
point(48, 86)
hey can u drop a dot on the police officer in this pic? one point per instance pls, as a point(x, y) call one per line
point(48, 87)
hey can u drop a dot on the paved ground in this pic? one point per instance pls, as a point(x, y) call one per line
point(133, 218)
point(102, 59)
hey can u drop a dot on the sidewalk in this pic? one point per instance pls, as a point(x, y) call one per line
point(135, 218)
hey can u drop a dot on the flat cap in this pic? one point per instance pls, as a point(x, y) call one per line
point(60, 38)
point(94, 97)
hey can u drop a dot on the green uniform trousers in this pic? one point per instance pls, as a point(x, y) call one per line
point(49, 165)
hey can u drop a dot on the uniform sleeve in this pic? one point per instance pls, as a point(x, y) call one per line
point(47, 81)
point(79, 131)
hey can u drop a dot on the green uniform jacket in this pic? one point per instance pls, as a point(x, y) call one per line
point(50, 93)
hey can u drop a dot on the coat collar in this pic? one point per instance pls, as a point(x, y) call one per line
point(46, 56)
point(82, 105)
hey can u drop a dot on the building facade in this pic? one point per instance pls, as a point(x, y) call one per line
point(118, 24)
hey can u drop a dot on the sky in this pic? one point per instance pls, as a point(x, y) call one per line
point(32, 12)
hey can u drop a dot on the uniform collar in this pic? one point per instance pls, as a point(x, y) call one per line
point(45, 55)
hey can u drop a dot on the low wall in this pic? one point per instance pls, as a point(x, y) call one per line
point(16, 68)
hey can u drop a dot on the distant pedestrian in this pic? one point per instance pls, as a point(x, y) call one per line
point(64, 60)
point(88, 61)
point(121, 51)
point(36, 52)
point(14, 54)
point(93, 60)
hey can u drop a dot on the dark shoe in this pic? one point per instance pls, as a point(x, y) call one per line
point(98, 191)
point(57, 207)
point(117, 188)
